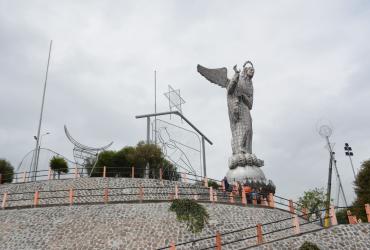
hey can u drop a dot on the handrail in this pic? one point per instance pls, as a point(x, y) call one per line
point(242, 229)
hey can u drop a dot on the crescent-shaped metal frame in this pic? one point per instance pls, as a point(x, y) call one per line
point(79, 145)
point(84, 152)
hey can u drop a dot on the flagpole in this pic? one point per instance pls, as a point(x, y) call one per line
point(37, 149)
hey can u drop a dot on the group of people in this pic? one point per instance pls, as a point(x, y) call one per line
point(253, 190)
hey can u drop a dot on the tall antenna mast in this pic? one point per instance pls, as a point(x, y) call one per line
point(37, 149)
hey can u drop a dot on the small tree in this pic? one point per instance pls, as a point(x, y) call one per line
point(313, 200)
point(58, 165)
point(6, 171)
point(362, 190)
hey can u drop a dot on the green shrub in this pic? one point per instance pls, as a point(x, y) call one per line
point(213, 184)
point(193, 214)
point(119, 163)
point(6, 171)
point(362, 190)
point(342, 216)
point(309, 246)
point(58, 165)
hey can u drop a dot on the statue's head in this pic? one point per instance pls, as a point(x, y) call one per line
point(248, 69)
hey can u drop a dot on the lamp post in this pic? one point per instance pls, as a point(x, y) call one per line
point(349, 153)
point(38, 150)
point(34, 166)
point(340, 188)
point(325, 131)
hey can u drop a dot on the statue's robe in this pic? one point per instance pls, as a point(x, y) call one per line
point(240, 102)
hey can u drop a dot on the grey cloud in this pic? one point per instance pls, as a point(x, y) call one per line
point(311, 61)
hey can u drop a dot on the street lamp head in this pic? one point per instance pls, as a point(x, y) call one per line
point(35, 137)
point(325, 131)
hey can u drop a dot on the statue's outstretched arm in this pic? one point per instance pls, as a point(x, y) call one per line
point(233, 82)
point(231, 87)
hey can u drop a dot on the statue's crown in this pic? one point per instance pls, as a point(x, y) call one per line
point(248, 62)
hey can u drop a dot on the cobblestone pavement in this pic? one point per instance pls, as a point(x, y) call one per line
point(91, 190)
point(130, 226)
point(147, 225)
point(338, 237)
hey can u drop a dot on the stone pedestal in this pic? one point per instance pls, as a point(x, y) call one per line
point(243, 173)
point(246, 169)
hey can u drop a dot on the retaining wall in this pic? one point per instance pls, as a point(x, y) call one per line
point(132, 226)
point(338, 237)
point(91, 190)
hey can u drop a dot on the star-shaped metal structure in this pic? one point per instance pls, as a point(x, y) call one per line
point(175, 101)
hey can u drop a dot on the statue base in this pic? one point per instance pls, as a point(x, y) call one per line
point(244, 159)
point(245, 173)
point(246, 170)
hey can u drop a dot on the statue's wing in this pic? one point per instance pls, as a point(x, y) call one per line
point(217, 76)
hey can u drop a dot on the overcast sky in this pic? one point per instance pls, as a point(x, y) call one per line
point(311, 62)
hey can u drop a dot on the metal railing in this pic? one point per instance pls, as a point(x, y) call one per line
point(250, 237)
point(80, 172)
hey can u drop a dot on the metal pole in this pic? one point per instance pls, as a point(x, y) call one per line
point(349, 152)
point(146, 170)
point(39, 149)
point(328, 192)
point(41, 113)
point(338, 194)
point(327, 219)
point(340, 183)
point(204, 157)
point(148, 130)
point(155, 106)
point(353, 169)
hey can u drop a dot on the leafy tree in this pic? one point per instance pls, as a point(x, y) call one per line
point(313, 200)
point(119, 163)
point(148, 153)
point(58, 165)
point(362, 190)
point(192, 213)
point(6, 171)
point(106, 158)
point(130, 153)
point(169, 171)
